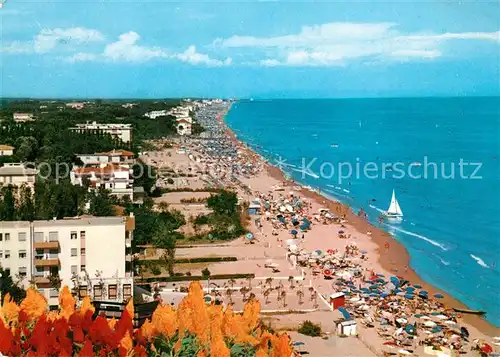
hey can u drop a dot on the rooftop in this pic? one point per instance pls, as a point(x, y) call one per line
point(16, 170)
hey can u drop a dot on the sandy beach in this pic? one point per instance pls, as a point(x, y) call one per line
point(381, 252)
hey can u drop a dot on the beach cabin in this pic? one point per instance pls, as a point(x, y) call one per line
point(337, 300)
point(254, 208)
point(347, 328)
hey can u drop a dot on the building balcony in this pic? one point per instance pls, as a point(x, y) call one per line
point(47, 245)
point(128, 242)
point(51, 262)
point(42, 282)
point(128, 258)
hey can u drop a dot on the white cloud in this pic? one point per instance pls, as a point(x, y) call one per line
point(193, 57)
point(335, 44)
point(82, 57)
point(126, 49)
point(48, 39)
point(17, 47)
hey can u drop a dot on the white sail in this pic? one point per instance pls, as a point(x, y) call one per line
point(394, 208)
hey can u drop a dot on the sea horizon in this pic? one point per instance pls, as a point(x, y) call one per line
point(444, 250)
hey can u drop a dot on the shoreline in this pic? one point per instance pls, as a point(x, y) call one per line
point(395, 259)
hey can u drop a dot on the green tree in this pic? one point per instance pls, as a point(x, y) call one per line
point(100, 203)
point(8, 210)
point(7, 285)
point(165, 238)
point(26, 204)
point(224, 202)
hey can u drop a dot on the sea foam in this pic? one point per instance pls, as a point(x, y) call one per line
point(428, 240)
point(479, 261)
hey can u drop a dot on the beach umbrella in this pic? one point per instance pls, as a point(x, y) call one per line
point(295, 223)
point(327, 272)
point(298, 344)
point(436, 329)
point(364, 252)
point(341, 232)
point(330, 251)
point(208, 299)
point(318, 252)
point(304, 227)
point(294, 232)
point(409, 296)
point(438, 296)
point(417, 286)
point(249, 236)
point(282, 220)
point(394, 280)
point(485, 348)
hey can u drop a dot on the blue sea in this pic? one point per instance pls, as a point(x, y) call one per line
point(440, 155)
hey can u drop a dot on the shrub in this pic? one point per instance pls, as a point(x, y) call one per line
point(309, 328)
point(155, 270)
point(205, 272)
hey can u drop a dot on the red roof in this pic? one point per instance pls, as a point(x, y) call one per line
point(116, 153)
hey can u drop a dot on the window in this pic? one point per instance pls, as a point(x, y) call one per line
point(22, 272)
point(40, 270)
point(112, 291)
point(22, 254)
point(53, 236)
point(82, 251)
point(1, 237)
point(54, 293)
point(97, 292)
point(1, 254)
point(21, 236)
point(73, 235)
point(127, 291)
point(83, 291)
point(82, 234)
point(82, 268)
point(7, 254)
point(74, 252)
point(7, 236)
point(7, 271)
point(38, 237)
point(74, 269)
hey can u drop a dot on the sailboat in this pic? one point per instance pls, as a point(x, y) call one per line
point(394, 211)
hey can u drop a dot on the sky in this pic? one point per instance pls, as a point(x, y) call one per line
point(249, 49)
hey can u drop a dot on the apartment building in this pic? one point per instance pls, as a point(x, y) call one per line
point(184, 127)
point(17, 174)
point(23, 117)
point(91, 255)
point(76, 105)
point(6, 150)
point(120, 131)
point(121, 157)
point(118, 179)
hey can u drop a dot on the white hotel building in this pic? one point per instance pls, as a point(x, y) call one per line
point(120, 131)
point(91, 255)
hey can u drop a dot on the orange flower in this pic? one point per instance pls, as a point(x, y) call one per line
point(126, 342)
point(10, 310)
point(201, 354)
point(251, 313)
point(281, 346)
point(86, 306)
point(66, 302)
point(34, 305)
point(165, 320)
point(192, 313)
point(219, 349)
point(112, 323)
point(148, 330)
point(130, 308)
point(52, 316)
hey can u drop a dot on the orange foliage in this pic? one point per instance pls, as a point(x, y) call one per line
point(212, 325)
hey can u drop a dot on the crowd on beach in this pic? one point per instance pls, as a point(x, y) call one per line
point(403, 317)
